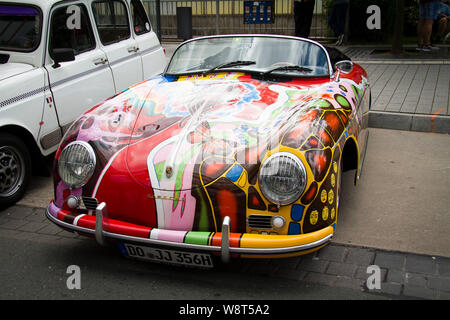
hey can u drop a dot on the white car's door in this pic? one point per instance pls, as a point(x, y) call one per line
point(80, 84)
point(122, 50)
point(152, 54)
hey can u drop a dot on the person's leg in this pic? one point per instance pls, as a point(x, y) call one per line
point(427, 29)
point(332, 21)
point(425, 25)
point(297, 18)
point(431, 14)
point(420, 33)
point(305, 12)
point(341, 17)
point(301, 19)
point(309, 12)
point(442, 27)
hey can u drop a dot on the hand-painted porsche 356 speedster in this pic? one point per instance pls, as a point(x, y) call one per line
point(237, 150)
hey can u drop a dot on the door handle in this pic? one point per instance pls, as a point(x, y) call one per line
point(133, 49)
point(100, 61)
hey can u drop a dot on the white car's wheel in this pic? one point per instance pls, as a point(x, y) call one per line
point(15, 169)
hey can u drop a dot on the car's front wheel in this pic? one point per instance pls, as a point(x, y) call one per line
point(15, 169)
point(339, 184)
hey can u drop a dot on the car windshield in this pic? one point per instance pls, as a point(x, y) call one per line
point(19, 27)
point(265, 55)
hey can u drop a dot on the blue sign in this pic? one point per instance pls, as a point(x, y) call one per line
point(258, 12)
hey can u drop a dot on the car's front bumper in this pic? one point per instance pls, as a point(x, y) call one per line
point(224, 243)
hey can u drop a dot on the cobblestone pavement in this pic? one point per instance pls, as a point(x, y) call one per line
point(403, 275)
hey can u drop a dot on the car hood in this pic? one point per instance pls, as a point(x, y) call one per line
point(9, 70)
point(203, 128)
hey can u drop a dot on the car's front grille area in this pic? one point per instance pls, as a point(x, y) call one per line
point(257, 221)
point(90, 203)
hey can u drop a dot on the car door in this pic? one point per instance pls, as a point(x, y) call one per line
point(122, 50)
point(152, 54)
point(79, 84)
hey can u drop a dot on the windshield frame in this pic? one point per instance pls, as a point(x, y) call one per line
point(41, 23)
point(330, 67)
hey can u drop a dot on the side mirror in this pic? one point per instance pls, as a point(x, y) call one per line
point(62, 55)
point(344, 66)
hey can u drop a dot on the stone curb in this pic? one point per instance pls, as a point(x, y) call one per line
point(409, 122)
point(387, 61)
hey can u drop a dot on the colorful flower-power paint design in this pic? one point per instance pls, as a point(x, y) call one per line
point(178, 154)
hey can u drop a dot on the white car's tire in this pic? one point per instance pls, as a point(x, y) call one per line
point(15, 169)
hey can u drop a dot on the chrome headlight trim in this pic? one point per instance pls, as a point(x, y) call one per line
point(80, 156)
point(292, 178)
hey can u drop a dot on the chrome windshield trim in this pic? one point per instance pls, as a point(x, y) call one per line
point(330, 67)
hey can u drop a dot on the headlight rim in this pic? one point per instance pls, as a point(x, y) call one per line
point(301, 167)
point(92, 157)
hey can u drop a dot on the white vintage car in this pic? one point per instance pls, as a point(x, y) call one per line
point(58, 59)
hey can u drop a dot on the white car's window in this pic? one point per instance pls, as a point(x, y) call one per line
point(257, 54)
point(141, 24)
point(63, 36)
point(20, 27)
point(112, 22)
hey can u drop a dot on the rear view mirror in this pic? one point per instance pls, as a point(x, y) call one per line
point(344, 66)
point(62, 55)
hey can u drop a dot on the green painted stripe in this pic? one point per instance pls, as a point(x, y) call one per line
point(197, 237)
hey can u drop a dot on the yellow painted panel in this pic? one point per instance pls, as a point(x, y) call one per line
point(281, 241)
point(286, 255)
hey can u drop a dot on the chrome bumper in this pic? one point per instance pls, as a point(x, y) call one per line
point(224, 249)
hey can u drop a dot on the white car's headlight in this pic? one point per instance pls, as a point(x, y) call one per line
point(282, 178)
point(76, 164)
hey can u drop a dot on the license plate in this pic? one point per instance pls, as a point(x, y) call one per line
point(168, 256)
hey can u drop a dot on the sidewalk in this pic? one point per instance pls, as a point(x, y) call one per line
point(408, 93)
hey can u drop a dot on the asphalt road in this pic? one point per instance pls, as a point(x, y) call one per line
point(37, 269)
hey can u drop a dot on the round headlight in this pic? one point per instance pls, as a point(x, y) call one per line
point(282, 178)
point(76, 164)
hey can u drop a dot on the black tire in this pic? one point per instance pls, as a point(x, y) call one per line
point(339, 185)
point(15, 169)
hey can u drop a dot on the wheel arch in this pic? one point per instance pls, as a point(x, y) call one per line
point(350, 156)
point(26, 136)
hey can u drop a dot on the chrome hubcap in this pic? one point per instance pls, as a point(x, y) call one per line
point(11, 171)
